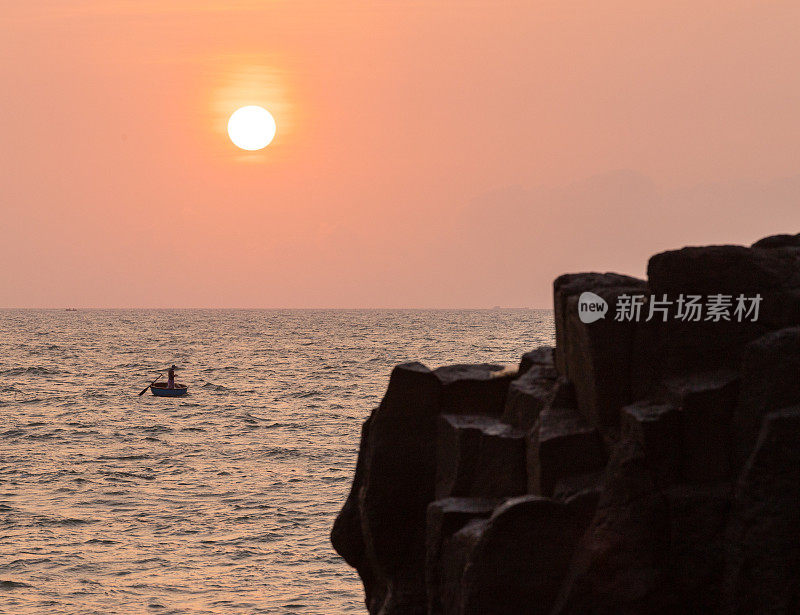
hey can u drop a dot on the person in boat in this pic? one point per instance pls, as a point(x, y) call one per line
point(171, 377)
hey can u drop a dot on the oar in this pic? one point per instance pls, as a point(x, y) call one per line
point(144, 390)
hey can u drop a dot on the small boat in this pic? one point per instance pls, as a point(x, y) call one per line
point(159, 389)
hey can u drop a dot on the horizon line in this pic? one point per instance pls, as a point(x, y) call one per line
point(96, 308)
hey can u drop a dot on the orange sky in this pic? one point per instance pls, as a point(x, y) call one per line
point(429, 154)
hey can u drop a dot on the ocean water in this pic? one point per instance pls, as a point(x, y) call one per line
point(221, 501)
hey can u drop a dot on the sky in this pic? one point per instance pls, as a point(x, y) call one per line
point(429, 154)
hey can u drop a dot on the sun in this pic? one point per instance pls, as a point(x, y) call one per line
point(251, 127)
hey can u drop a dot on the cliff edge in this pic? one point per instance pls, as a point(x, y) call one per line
point(649, 463)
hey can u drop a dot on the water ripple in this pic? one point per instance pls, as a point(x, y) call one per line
point(219, 502)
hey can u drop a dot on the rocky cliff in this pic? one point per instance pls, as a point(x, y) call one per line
point(649, 463)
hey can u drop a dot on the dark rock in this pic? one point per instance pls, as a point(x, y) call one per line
point(698, 515)
point(657, 429)
point(684, 347)
point(676, 349)
point(685, 408)
point(770, 381)
point(384, 535)
point(582, 505)
point(564, 395)
point(346, 536)
point(445, 518)
point(618, 564)
point(520, 557)
point(527, 396)
point(763, 555)
point(647, 360)
point(778, 241)
point(577, 484)
point(572, 285)
point(501, 469)
point(398, 485)
point(456, 551)
point(479, 456)
point(346, 533)
point(706, 403)
point(474, 389)
point(710, 270)
point(457, 453)
point(541, 357)
point(598, 356)
point(780, 309)
point(562, 444)
point(780, 306)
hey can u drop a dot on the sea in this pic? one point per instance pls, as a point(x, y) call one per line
point(218, 502)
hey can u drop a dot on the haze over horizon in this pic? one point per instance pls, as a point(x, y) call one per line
point(456, 154)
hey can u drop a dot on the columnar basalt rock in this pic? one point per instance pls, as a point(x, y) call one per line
point(446, 517)
point(698, 518)
point(501, 468)
point(458, 442)
point(657, 429)
point(528, 395)
point(778, 241)
point(381, 529)
point(562, 443)
point(689, 346)
point(571, 285)
point(397, 485)
point(638, 467)
point(456, 552)
point(770, 381)
point(347, 536)
point(474, 389)
point(706, 402)
point(520, 557)
point(542, 357)
point(479, 456)
point(763, 539)
point(618, 567)
point(599, 355)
